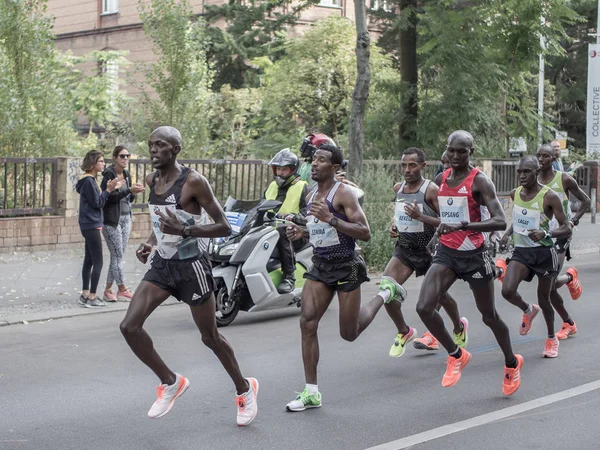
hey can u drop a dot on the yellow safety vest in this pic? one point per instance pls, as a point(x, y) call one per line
point(291, 205)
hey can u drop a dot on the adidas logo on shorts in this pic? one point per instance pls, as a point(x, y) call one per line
point(477, 275)
point(195, 296)
point(171, 199)
point(463, 190)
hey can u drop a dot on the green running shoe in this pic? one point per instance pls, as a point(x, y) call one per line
point(399, 346)
point(397, 291)
point(462, 338)
point(305, 400)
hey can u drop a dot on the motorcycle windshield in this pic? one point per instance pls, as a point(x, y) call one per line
point(239, 214)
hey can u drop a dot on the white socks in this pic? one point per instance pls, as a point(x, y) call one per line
point(313, 389)
point(384, 294)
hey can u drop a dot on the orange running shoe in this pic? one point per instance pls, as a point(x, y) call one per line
point(527, 321)
point(454, 367)
point(551, 348)
point(427, 342)
point(512, 377)
point(574, 285)
point(567, 330)
point(501, 264)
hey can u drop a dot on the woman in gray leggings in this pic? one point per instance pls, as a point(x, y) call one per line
point(117, 221)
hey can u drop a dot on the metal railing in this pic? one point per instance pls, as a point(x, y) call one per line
point(28, 186)
point(504, 176)
point(240, 179)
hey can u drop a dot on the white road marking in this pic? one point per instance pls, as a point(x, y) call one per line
point(463, 425)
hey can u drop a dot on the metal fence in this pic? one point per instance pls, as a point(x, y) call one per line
point(504, 176)
point(240, 179)
point(28, 186)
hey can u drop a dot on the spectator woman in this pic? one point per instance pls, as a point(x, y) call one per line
point(91, 202)
point(117, 221)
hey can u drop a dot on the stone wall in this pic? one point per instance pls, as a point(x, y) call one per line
point(40, 233)
point(55, 233)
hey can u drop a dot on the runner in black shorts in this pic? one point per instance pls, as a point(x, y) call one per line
point(415, 220)
point(461, 254)
point(534, 255)
point(188, 280)
point(181, 202)
point(334, 222)
point(565, 186)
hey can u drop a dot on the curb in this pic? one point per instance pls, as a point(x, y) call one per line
point(66, 314)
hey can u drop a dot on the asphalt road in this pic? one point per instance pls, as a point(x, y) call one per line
point(74, 384)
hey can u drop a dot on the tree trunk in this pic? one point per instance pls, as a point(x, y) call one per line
point(360, 96)
point(410, 74)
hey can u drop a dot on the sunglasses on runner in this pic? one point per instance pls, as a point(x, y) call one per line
point(125, 155)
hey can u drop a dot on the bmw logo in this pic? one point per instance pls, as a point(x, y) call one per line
point(157, 210)
point(524, 212)
point(315, 220)
point(266, 245)
point(450, 201)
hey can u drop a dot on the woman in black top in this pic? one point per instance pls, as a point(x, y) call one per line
point(117, 221)
point(91, 202)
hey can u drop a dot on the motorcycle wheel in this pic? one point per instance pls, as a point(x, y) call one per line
point(226, 308)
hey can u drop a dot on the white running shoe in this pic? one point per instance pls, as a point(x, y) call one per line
point(247, 406)
point(166, 395)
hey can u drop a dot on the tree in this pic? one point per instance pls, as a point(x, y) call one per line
point(35, 117)
point(253, 29)
point(312, 84)
point(360, 95)
point(232, 119)
point(568, 73)
point(97, 96)
point(180, 77)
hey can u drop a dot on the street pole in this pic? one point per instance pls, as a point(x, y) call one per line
point(541, 86)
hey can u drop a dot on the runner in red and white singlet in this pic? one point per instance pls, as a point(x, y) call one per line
point(458, 205)
point(461, 254)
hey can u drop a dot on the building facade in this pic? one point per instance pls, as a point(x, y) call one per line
point(88, 25)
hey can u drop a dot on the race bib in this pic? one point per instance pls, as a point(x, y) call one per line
point(321, 234)
point(405, 223)
point(160, 236)
point(454, 209)
point(525, 220)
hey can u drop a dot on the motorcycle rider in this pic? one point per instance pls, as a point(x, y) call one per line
point(307, 150)
point(289, 189)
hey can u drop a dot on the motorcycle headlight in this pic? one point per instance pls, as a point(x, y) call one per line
point(228, 250)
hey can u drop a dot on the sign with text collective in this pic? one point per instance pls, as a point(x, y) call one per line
point(593, 102)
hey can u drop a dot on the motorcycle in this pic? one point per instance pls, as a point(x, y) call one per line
point(246, 264)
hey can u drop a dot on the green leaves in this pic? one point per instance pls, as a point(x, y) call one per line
point(35, 84)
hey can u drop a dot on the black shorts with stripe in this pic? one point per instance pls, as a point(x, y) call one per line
point(472, 266)
point(188, 280)
point(541, 261)
point(563, 245)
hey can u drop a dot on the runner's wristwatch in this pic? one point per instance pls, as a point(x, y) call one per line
point(575, 222)
point(187, 231)
point(333, 221)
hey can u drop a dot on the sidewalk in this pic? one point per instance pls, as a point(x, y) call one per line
point(46, 285)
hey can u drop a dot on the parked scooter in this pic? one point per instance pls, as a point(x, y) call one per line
point(246, 265)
